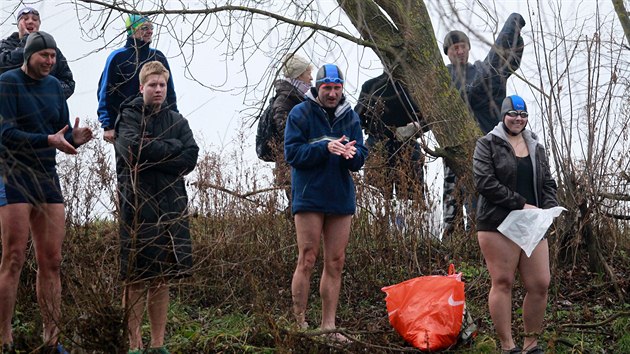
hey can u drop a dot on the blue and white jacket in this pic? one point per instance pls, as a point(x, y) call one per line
point(121, 79)
point(321, 181)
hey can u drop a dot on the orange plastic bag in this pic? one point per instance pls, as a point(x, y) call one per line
point(427, 311)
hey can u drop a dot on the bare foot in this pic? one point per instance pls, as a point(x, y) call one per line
point(337, 338)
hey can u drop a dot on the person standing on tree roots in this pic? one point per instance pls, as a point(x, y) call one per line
point(393, 123)
point(323, 143)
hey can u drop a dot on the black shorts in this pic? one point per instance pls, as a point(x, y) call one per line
point(32, 187)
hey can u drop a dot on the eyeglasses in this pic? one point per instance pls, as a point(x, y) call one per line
point(146, 28)
point(330, 80)
point(26, 11)
point(515, 114)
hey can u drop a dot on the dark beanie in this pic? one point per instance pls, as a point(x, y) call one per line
point(454, 37)
point(328, 73)
point(37, 41)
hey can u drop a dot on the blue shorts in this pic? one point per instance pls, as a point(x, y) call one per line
point(30, 187)
point(3, 194)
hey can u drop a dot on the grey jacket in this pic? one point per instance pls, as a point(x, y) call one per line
point(494, 171)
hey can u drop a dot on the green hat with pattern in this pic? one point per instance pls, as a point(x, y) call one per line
point(133, 22)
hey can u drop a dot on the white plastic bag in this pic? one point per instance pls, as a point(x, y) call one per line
point(526, 227)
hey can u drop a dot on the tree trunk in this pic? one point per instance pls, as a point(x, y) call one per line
point(620, 9)
point(407, 48)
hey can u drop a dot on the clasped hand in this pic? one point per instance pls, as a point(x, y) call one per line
point(80, 136)
point(347, 150)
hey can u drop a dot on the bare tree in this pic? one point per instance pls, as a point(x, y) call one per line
point(399, 32)
point(583, 101)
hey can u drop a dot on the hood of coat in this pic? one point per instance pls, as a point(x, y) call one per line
point(341, 108)
point(137, 43)
point(284, 87)
point(531, 139)
point(13, 39)
point(137, 103)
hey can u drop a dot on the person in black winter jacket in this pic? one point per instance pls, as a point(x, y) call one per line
point(290, 91)
point(482, 86)
point(12, 50)
point(155, 149)
point(511, 172)
point(393, 123)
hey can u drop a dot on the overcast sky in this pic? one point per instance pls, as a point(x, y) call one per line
point(215, 114)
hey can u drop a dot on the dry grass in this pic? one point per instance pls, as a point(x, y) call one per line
point(244, 245)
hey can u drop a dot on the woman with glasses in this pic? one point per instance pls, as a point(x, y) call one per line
point(511, 172)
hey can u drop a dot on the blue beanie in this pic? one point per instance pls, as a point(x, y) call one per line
point(512, 103)
point(328, 73)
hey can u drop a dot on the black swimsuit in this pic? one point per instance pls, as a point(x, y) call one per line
point(525, 179)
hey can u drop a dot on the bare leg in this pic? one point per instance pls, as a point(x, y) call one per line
point(502, 257)
point(536, 277)
point(14, 219)
point(336, 234)
point(158, 308)
point(309, 229)
point(134, 301)
point(48, 228)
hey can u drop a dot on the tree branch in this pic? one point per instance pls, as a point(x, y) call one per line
point(597, 324)
point(231, 8)
point(617, 216)
point(615, 196)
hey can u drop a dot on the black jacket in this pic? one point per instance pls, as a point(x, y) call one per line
point(12, 56)
point(494, 171)
point(154, 151)
point(398, 107)
point(483, 85)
